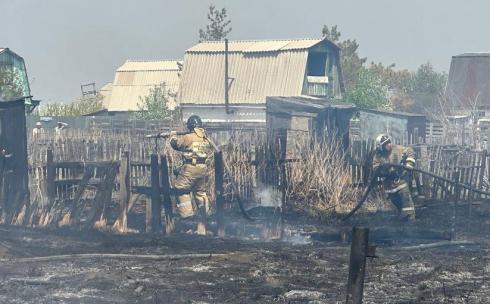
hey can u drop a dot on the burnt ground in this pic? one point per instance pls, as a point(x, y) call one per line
point(311, 266)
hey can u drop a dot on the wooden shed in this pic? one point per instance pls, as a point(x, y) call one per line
point(14, 188)
point(290, 118)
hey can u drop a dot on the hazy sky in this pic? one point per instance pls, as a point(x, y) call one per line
point(66, 43)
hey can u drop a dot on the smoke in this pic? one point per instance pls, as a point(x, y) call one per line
point(267, 196)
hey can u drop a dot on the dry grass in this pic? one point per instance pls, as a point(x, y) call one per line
point(319, 184)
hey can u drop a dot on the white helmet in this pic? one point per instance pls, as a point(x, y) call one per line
point(382, 140)
point(38, 124)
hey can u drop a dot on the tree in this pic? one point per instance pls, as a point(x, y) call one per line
point(369, 91)
point(398, 83)
point(218, 27)
point(156, 105)
point(350, 61)
point(426, 87)
point(78, 107)
point(10, 84)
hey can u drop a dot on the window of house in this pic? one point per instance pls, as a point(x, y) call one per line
point(316, 64)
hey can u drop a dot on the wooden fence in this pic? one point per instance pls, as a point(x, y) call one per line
point(462, 165)
point(87, 174)
point(72, 169)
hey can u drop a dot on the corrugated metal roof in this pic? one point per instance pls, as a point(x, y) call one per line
point(144, 65)
point(134, 79)
point(477, 54)
point(256, 68)
point(105, 92)
point(254, 45)
point(253, 77)
point(469, 82)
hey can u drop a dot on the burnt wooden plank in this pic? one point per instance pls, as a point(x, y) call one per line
point(121, 224)
point(103, 195)
point(154, 206)
point(165, 191)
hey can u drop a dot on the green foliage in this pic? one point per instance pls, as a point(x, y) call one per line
point(426, 86)
point(369, 92)
point(10, 84)
point(350, 61)
point(79, 107)
point(417, 92)
point(157, 104)
point(218, 27)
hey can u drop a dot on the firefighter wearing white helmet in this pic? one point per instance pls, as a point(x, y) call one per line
point(395, 180)
point(196, 151)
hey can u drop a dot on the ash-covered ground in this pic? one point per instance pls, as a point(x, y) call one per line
point(310, 266)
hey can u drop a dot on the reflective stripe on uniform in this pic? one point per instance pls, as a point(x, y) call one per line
point(408, 209)
point(185, 206)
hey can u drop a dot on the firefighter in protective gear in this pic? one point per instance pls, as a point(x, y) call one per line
point(195, 150)
point(395, 180)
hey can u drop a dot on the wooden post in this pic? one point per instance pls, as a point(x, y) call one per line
point(121, 224)
point(357, 265)
point(218, 190)
point(50, 176)
point(154, 207)
point(3, 204)
point(457, 193)
point(483, 165)
point(284, 186)
point(167, 202)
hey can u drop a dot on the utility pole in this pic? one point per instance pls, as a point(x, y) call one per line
point(227, 99)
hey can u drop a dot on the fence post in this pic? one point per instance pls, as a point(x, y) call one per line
point(483, 166)
point(457, 193)
point(218, 190)
point(357, 265)
point(124, 192)
point(50, 176)
point(154, 207)
point(167, 203)
point(284, 185)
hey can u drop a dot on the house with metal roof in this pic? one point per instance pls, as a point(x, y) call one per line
point(468, 86)
point(134, 79)
point(15, 82)
point(255, 70)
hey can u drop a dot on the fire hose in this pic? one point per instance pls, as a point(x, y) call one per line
point(225, 165)
point(377, 172)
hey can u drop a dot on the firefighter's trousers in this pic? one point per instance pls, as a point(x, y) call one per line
point(402, 199)
point(190, 181)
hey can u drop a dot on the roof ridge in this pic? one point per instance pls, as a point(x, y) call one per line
point(148, 60)
point(259, 40)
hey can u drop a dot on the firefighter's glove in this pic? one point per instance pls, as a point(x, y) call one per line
point(409, 162)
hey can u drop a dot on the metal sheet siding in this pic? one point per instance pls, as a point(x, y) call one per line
point(255, 76)
point(133, 81)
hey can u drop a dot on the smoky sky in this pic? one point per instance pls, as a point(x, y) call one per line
point(66, 43)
